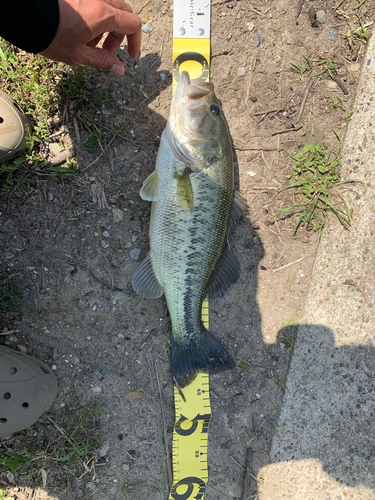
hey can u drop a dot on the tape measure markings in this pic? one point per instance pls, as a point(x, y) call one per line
point(191, 52)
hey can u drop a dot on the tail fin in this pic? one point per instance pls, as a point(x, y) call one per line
point(198, 354)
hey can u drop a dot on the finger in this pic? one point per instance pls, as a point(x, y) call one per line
point(102, 59)
point(94, 42)
point(112, 41)
point(119, 4)
point(134, 44)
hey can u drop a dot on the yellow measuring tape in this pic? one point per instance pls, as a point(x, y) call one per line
point(191, 52)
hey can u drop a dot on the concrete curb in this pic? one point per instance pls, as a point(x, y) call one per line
point(324, 447)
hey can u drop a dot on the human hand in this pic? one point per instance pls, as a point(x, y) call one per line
point(82, 25)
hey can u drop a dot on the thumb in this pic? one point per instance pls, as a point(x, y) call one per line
point(102, 59)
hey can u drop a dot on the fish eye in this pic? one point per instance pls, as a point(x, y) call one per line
point(215, 110)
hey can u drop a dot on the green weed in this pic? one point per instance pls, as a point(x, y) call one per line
point(361, 31)
point(290, 341)
point(315, 181)
point(302, 67)
point(242, 363)
point(13, 462)
point(10, 296)
point(126, 490)
point(2, 494)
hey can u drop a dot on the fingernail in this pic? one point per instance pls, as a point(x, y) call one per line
point(117, 69)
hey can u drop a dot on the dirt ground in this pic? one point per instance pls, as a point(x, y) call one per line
point(73, 261)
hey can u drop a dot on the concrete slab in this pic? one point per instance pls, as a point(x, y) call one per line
point(324, 447)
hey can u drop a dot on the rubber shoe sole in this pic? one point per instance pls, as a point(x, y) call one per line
point(28, 388)
point(13, 125)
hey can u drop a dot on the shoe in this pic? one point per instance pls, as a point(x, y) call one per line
point(28, 388)
point(13, 125)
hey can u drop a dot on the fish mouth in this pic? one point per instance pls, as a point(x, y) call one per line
point(196, 90)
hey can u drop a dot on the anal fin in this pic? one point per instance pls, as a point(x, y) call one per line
point(225, 277)
point(144, 281)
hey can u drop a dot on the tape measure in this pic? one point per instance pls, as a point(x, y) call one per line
point(191, 53)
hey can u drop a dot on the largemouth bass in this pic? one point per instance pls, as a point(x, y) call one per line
point(193, 208)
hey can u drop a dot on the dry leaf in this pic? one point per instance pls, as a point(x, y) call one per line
point(135, 394)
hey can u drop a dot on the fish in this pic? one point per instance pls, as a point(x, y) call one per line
point(194, 207)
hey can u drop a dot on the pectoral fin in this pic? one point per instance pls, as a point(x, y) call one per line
point(226, 275)
point(185, 196)
point(150, 188)
point(144, 281)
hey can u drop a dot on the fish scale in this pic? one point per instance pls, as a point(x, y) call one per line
point(182, 256)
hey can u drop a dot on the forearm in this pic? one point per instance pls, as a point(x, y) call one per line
point(29, 24)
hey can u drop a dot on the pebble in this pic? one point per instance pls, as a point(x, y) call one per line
point(250, 26)
point(333, 34)
point(12, 338)
point(8, 253)
point(102, 243)
point(241, 71)
point(104, 449)
point(55, 148)
point(22, 348)
point(258, 39)
point(106, 234)
point(80, 493)
point(118, 215)
point(134, 238)
point(257, 396)
point(321, 16)
point(282, 345)
point(252, 174)
point(134, 254)
point(115, 262)
point(163, 76)
point(270, 382)
point(125, 467)
point(147, 28)
point(105, 372)
point(90, 486)
point(97, 389)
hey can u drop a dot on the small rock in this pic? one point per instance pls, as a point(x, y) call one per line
point(12, 338)
point(163, 76)
point(68, 213)
point(257, 396)
point(106, 234)
point(115, 262)
point(102, 243)
point(258, 39)
point(50, 196)
point(80, 493)
point(105, 372)
point(8, 253)
point(96, 389)
point(241, 71)
point(271, 417)
point(253, 98)
point(104, 449)
point(270, 382)
point(55, 148)
point(147, 28)
point(321, 16)
point(111, 478)
point(91, 486)
point(252, 174)
point(22, 348)
point(333, 34)
point(128, 244)
point(125, 467)
point(250, 26)
point(134, 238)
point(10, 477)
point(134, 254)
point(282, 345)
point(118, 215)
point(144, 16)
